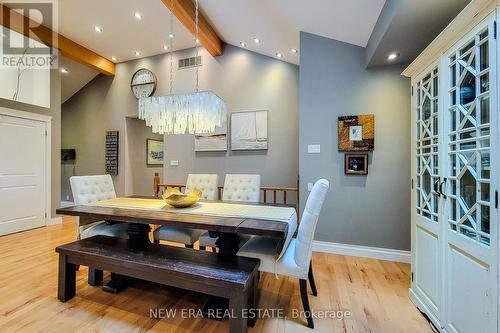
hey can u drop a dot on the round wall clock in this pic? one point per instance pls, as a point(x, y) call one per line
point(143, 83)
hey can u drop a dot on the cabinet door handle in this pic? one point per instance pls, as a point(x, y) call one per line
point(441, 188)
point(436, 187)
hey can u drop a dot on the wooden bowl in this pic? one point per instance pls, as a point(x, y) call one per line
point(177, 199)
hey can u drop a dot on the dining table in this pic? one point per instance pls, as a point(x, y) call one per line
point(225, 220)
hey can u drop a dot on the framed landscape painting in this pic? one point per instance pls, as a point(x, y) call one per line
point(154, 152)
point(249, 130)
point(212, 142)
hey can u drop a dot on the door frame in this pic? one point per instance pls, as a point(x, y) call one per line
point(47, 120)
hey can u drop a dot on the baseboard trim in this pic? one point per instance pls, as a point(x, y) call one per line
point(54, 220)
point(362, 251)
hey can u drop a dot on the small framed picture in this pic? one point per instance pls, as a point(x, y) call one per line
point(356, 133)
point(154, 152)
point(356, 164)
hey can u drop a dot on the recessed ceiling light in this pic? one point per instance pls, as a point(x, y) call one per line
point(64, 71)
point(170, 35)
point(113, 58)
point(165, 47)
point(392, 56)
point(257, 40)
point(138, 15)
point(279, 55)
point(98, 28)
point(243, 44)
point(137, 53)
point(197, 41)
point(294, 50)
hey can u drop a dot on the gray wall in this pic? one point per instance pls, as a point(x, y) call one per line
point(371, 210)
point(245, 80)
point(55, 112)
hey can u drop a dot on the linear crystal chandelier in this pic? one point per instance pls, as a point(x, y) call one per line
point(194, 113)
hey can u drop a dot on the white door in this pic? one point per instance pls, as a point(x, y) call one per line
point(470, 225)
point(22, 174)
point(426, 233)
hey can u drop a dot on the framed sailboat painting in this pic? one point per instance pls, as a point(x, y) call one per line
point(249, 130)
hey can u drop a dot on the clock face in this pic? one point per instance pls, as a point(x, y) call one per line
point(143, 83)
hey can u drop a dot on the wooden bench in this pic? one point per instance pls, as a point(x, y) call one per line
point(231, 277)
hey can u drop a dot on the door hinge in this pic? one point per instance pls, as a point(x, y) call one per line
point(495, 29)
point(496, 199)
point(412, 90)
point(45, 215)
point(411, 276)
point(412, 183)
point(45, 132)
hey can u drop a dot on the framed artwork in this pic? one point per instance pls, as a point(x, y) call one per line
point(357, 133)
point(154, 152)
point(212, 142)
point(356, 164)
point(249, 130)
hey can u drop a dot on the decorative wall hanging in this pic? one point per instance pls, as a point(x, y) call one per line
point(356, 164)
point(356, 133)
point(154, 152)
point(194, 113)
point(216, 141)
point(249, 130)
point(111, 153)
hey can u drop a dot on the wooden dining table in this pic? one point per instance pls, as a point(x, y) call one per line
point(227, 229)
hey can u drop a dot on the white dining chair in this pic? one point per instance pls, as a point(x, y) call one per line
point(208, 185)
point(237, 187)
point(296, 261)
point(87, 189)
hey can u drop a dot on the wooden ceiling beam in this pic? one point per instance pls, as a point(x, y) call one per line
point(21, 24)
point(185, 11)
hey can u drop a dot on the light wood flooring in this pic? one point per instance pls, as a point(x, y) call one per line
point(374, 291)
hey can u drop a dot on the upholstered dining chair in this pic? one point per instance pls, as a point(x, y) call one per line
point(237, 187)
point(87, 189)
point(296, 260)
point(207, 184)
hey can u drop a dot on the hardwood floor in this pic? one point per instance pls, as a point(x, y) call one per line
point(375, 292)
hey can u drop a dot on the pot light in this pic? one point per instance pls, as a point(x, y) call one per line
point(279, 55)
point(392, 56)
point(165, 47)
point(294, 50)
point(257, 40)
point(98, 28)
point(113, 58)
point(197, 41)
point(64, 71)
point(243, 44)
point(137, 53)
point(138, 15)
point(170, 35)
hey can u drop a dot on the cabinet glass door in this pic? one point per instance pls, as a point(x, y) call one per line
point(470, 231)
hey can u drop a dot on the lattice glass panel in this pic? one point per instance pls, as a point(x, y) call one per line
point(469, 139)
point(427, 146)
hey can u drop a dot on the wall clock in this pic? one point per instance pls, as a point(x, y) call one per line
point(143, 83)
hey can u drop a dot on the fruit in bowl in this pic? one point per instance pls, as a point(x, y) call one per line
point(176, 198)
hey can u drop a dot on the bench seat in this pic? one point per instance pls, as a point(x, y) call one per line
point(231, 277)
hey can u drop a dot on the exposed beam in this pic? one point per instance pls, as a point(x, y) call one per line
point(21, 24)
point(185, 11)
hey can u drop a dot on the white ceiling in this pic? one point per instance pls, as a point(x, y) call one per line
point(278, 22)
point(78, 76)
point(122, 34)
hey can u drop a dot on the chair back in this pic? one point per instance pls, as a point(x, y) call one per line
point(308, 222)
point(92, 188)
point(206, 183)
point(241, 188)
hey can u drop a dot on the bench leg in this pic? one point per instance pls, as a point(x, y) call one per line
point(66, 279)
point(95, 276)
point(238, 322)
point(253, 299)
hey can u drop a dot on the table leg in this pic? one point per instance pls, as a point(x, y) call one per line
point(228, 244)
point(238, 322)
point(138, 239)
